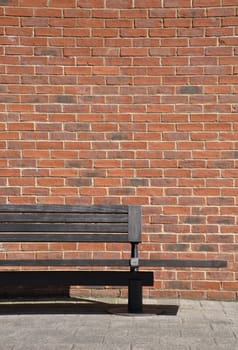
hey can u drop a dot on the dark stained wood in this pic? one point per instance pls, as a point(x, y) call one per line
point(62, 227)
point(63, 218)
point(183, 263)
point(116, 262)
point(67, 278)
point(63, 237)
point(134, 223)
point(51, 208)
point(47, 222)
point(65, 262)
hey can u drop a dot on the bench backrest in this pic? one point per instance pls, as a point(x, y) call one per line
point(70, 223)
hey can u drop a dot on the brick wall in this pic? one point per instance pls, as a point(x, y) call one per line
point(127, 102)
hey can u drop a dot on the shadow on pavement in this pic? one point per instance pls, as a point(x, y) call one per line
point(79, 306)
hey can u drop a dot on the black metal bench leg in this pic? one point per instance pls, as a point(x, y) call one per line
point(135, 296)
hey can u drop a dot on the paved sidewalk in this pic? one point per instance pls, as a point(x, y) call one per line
point(198, 325)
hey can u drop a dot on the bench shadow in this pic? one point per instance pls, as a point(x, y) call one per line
point(79, 306)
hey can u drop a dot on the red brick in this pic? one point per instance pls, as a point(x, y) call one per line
point(203, 3)
point(62, 3)
point(134, 52)
point(105, 14)
point(48, 12)
point(177, 23)
point(229, 21)
point(150, 3)
point(223, 12)
point(162, 32)
point(119, 4)
point(119, 23)
point(176, 3)
point(29, 3)
point(63, 191)
point(90, 3)
point(207, 22)
point(206, 285)
point(133, 33)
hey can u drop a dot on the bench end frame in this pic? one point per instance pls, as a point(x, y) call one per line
point(134, 223)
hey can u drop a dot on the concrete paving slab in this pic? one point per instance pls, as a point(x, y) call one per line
point(205, 325)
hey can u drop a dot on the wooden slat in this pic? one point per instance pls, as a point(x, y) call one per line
point(64, 237)
point(63, 218)
point(68, 278)
point(66, 262)
point(183, 263)
point(116, 262)
point(51, 227)
point(64, 208)
point(134, 224)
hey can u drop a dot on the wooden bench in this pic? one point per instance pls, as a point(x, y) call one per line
point(65, 223)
